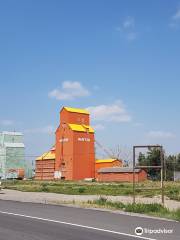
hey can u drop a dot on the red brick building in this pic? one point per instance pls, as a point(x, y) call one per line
point(106, 163)
point(120, 174)
point(45, 166)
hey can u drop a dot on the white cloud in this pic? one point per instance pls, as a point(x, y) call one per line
point(69, 91)
point(129, 22)
point(6, 122)
point(127, 29)
point(175, 20)
point(161, 134)
point(49, 129)
point(115, 112)
point(176, 16)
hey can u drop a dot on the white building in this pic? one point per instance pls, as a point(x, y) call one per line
point(12, 154)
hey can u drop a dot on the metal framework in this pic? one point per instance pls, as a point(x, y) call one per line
point(161, 167)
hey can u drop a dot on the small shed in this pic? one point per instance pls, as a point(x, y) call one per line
point(120, 174)
point(45, 166)
point(106, 163)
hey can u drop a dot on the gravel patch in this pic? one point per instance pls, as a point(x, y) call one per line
point(54, 198)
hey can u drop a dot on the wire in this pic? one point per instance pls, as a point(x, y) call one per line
point(12, 155)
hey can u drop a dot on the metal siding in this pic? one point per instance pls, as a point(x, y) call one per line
point(13, 138)
point(11, 156)
point(2, 162)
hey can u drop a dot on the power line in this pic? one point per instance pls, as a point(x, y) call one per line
point(12, 155)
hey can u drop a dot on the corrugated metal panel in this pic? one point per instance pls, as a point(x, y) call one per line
point(12, 153)
point(76, 110)
point(14, 145)
point(12, 137)
point(2, 162)
point(15, 158)
point(12, 133)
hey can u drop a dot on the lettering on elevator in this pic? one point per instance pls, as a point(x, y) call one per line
point(84, 139)
point(64, 140)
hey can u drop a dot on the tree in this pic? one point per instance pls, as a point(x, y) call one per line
point(170, 166)
point(152, 158)
point(177, 164)
point(142, 161)
point(122, 153)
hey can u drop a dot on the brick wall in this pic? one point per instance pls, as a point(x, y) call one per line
point(115, 163)
point(121, 177)
point(45, 169)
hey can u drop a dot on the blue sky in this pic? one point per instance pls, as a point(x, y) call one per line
point(120, 59)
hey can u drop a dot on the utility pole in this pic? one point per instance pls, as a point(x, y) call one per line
point(174, 168)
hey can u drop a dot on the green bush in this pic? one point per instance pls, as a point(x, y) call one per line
point(44, 187)
point(153, 209)
point(177, 214)
point(173, 193)
point(82, 189)
point(101, 201)
point(145, 208)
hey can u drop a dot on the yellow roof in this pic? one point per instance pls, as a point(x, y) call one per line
point(47, 156)
point(76, 110)
point(105, 160)
point(88, 128)
point(81, 128)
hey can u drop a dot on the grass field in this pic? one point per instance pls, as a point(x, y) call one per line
point(172, 189)
point(152, 209)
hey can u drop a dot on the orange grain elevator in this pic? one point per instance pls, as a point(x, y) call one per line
point(75, 154)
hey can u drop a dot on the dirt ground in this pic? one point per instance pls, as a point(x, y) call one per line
point(54, 198)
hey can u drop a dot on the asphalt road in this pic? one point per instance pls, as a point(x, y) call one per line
point(29, 221)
